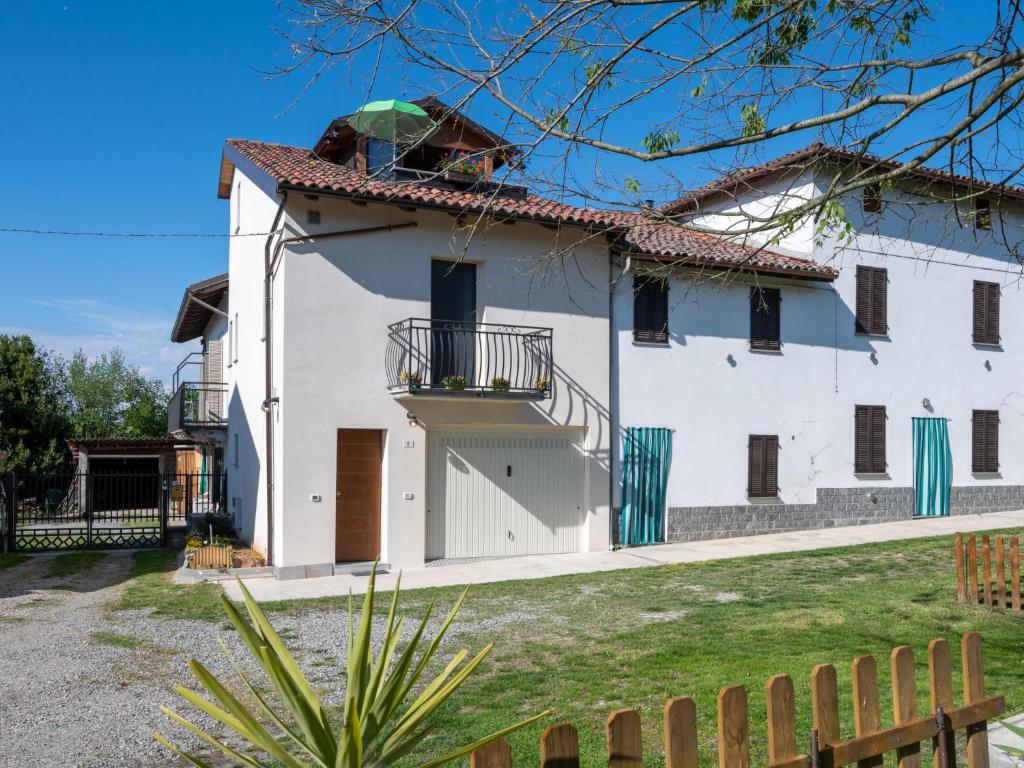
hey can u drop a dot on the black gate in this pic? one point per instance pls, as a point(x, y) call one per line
point(102, 510)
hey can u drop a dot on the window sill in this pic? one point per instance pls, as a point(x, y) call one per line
point(997, 347)
point(764, 500)
point(872, 475)
point(755, 351)
point(997, 475)
point(654, 344)
point(875, 336)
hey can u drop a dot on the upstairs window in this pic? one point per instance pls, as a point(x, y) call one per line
point(985, 441)
point(982, 213)
point(763, 466)
point(765, 305)
point(869, 439)
point(872, 198)
point(650, 310)
point(380, 157)
point(871, 301)
point(986, 312)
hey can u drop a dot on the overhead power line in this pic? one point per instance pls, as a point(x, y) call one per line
point(68, 233)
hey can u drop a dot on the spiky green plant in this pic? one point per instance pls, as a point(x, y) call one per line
point(1016, 730)
point(377, 727)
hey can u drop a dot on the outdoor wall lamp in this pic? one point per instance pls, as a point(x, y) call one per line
point(926, 404)
point(268, 403)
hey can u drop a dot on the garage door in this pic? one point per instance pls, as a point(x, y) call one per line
point(491, 493)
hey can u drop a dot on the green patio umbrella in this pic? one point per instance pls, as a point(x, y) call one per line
point(391, 120)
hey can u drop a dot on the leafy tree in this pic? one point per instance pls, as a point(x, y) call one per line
point(34, 419)
point(110, 398)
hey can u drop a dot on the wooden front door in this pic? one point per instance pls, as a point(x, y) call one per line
point(357, 499)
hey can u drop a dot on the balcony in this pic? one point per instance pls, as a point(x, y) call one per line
point(428, 357)
point(197, 408)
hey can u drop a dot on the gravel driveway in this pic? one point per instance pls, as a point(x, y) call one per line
point(82, 685)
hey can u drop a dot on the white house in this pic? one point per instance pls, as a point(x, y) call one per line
point(362, 286)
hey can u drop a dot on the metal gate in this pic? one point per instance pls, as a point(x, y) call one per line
point(101, 510)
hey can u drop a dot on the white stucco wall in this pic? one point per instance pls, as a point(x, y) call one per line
point(714, 392)
point(333, 302)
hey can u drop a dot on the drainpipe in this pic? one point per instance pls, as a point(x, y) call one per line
point(272, 258)
point(613, 385)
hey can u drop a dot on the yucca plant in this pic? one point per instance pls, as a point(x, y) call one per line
point(379, 724)
point(1016, 730)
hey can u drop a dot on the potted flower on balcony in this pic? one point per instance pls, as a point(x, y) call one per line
point(542, 384)
point(461, 165)
point(412, 379)
point(500, 384)
point(455, 383)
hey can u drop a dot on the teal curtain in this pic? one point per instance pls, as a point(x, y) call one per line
point(202, 471)
point(932, 467)
point(646, 456)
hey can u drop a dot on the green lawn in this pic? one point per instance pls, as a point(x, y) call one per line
point(150, 586)
point(587, 645)
point(73, 563)
point(11, 559)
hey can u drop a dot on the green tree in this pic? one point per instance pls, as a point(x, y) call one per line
point(110, 398)
point(34, 419)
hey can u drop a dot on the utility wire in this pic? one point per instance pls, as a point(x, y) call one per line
point(29, 231)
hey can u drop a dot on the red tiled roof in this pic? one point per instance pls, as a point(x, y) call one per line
point(633, 233)
point(802, 158)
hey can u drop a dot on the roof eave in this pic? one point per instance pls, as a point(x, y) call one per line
point(822, 275)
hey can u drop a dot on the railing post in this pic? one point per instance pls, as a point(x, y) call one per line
point(12, 513)
point(164, 508)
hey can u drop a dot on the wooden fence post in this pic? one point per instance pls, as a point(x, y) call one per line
point(680, 733)
point(904, 701)
point(560, 747)
point(825, 704)
point(1000, 573)
point(940, 678)
point(497, 754)
point(867, 716)
point(1015, 573)
point(623, 737)
point(986, 567)
point(961, 571)
point(733, 728)
point(972, 568)
point(780, 704)
point(974, 690)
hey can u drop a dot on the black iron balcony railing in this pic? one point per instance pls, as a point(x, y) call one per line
point(197, 405)
point(481, 359)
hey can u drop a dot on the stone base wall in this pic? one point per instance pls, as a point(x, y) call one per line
point(834, 507)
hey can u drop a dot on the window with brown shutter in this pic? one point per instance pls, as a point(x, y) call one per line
point(869, 439)
point(650, 310)
point(763, 466)
point(765, 327)
point(872, 199)
point(985, 441)
point(871, 301)
point(982, 213)
point(986, 312)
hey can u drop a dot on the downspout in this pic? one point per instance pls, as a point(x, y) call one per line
point(272, 258)
point(268, 384)
point(613, 383)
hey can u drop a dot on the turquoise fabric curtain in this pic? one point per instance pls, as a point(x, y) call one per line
point(932, 467)
point(646, 457)
point(202, 472)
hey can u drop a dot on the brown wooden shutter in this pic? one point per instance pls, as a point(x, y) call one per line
point(650, 310)
point(985, 441)
point(659, 310)
point(872, 198)
point(982, 213)
point(763, 466)
point(878, 439)
point(641, 311)
point(765, 326)
point(863, 300)
point(986, 312)
point(869, 439)
point(872, 301)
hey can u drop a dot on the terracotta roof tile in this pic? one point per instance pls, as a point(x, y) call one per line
point(633, 233)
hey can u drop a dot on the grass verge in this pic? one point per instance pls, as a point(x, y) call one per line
point(73, 563)
point(11, 559)
point(150, 586)
point(117, 640)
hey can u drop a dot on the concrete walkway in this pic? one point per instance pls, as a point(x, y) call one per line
point(544, 566)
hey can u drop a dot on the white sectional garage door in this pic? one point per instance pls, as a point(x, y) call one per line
point(494, 493)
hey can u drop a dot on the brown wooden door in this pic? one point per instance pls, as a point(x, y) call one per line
point(357, 505)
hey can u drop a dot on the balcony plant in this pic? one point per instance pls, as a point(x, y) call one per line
point(454, 383)
point(412, 379)
point(387, 704)
point(542, 383)
point(460, 162)
point(500, 384)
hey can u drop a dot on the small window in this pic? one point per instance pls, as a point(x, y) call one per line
point(869, 439)
point(650, 310)
point(231, 342)
point(764, 318)
point(380, 157)
point(312, 217)
point(986, 312)
point(871, 301)
point(872, 198)
point(234, 346)
point(982, 213)
point(236, 449)
point(763, 466)
point(985, 441)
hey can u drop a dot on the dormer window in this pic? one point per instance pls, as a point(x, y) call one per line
point(380, 157)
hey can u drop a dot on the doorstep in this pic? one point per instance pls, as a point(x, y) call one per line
point(194, 575)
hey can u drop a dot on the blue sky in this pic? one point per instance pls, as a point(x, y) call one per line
point(115, 114)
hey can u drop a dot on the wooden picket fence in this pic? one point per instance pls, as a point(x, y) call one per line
point(997, 592)
point(559, 744)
